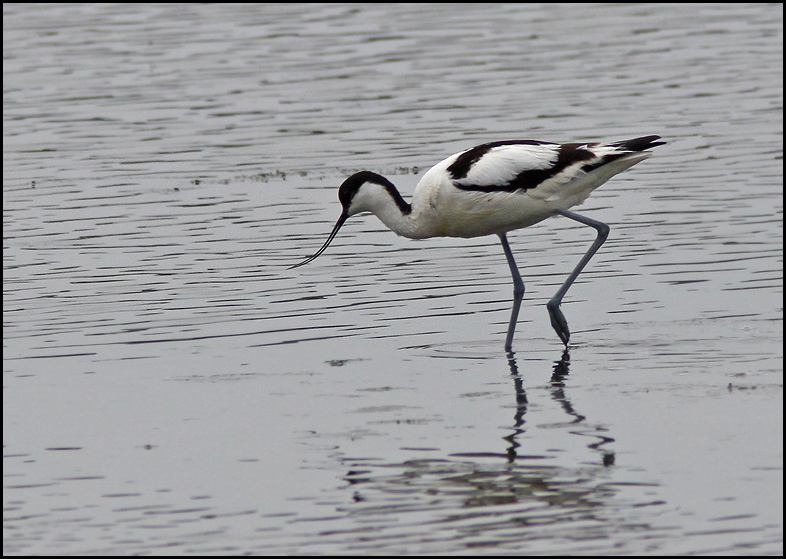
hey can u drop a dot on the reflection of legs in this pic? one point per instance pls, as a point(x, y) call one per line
point(518, 291)
point(521, 409)
point(557, 318)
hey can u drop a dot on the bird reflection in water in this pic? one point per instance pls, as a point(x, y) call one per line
point(560, 373)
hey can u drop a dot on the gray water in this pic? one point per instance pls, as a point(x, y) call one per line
point(170, 387)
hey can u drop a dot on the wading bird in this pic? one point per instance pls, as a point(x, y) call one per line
point(494, 188)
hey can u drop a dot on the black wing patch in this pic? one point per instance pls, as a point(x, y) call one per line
point(461, 166)
point(567, 155)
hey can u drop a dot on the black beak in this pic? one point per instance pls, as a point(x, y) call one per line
point(339, 223)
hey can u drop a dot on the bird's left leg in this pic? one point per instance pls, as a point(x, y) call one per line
point(557, 318)
point(518, 291)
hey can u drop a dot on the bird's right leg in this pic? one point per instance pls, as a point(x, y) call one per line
point(558, 321)
point(518, 291)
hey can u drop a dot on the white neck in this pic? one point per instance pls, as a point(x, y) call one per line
point(387, 204)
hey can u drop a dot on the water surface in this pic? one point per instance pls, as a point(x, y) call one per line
point(171, 387)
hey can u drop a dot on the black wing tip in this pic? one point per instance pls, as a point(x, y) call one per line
point(640, 144)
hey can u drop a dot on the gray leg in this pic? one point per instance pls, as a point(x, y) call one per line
point(557, 318)
point(518, 291)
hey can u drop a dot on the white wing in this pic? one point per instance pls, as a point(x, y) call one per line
point(499, 166)
point(544, 169)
